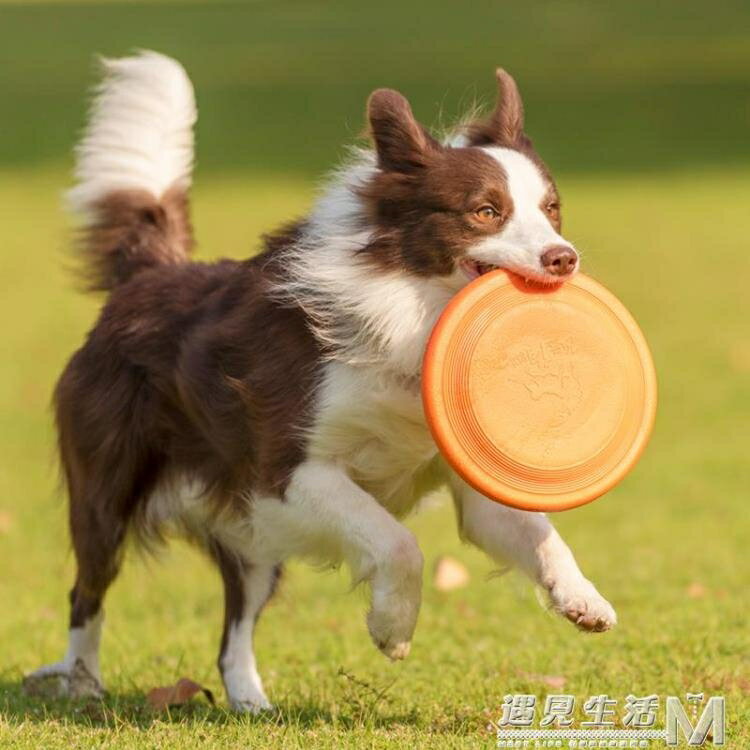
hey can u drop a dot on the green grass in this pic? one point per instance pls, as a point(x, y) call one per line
point(641, 109)
point(680, 519)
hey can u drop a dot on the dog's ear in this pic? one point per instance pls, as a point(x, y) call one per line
point(504, 127)
point(401, 143)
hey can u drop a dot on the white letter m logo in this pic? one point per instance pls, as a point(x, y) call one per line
point(712, 717)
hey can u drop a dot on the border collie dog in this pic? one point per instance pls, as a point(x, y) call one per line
point(270, 408)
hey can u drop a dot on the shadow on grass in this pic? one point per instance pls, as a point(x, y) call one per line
point(130, 708)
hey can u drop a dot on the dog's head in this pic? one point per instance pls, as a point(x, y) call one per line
point(486, 202)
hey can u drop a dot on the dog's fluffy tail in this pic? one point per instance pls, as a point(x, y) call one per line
point(133, 170)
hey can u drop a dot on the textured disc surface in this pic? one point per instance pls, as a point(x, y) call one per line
point(540, 397)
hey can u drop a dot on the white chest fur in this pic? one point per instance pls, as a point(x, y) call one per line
point(375, 429)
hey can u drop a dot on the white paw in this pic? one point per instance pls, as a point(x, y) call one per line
point(396, 598)
point(582, 604)
point(63, 680)
point(391, 629)
point(254, 704)
point(397, 651)
point(245, 689)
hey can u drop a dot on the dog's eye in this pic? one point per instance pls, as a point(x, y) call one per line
point(553, 207)
point(486, 213)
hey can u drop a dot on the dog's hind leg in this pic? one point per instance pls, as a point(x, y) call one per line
point(97, 541)
point(247, 588)
point(530, 541)
point(108, 472)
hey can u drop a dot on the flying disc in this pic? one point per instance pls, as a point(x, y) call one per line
point(540, 397)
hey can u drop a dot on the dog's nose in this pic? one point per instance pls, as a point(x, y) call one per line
point(559, 260)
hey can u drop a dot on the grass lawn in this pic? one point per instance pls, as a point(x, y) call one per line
point(668, 547)
point(641, 110)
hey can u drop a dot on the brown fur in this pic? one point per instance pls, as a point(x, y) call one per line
point(129, 231)
point(504, 127)
point(192, 369)
point(425, 217)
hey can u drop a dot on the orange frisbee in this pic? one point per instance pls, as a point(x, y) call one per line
point(540, 397)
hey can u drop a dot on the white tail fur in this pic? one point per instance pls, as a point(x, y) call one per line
point(140, 131)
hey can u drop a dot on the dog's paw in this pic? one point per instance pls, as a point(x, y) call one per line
point(394, 650)
point(61, 680)
point(390, 634)
point(583, 605)
point(254, 704)
point(244, 689)
point(396, 597)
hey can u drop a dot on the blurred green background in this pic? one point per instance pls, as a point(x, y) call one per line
point(642, 110)
point(609, 86)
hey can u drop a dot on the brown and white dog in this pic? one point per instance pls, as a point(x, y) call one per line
point(270, 408)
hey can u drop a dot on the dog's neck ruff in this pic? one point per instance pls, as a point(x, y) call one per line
point(363, 314)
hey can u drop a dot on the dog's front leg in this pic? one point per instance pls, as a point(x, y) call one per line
point(530, 541)
point(325, 516)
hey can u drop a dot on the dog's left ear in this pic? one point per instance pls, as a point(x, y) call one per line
point(504, 127)
point(402, 144)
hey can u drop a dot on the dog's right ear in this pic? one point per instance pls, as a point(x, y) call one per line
point(504, 127)
point(401, 143)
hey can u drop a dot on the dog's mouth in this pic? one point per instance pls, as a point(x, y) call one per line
point(473, 269)
point(476, 268)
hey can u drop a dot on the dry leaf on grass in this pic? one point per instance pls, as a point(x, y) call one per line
point(739, 356)
point(465, 609)
point(696, 590)
point(161, 698)
point(449, 574)
point(6, 521)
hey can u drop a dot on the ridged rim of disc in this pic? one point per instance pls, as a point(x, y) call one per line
point(453, 420)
